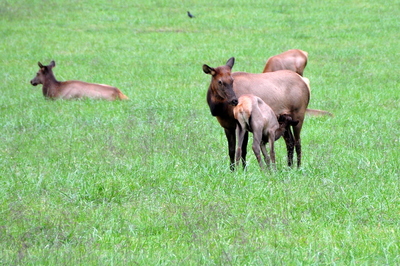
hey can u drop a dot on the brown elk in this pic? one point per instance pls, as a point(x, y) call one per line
point(54, 89)
point(294, 59)
point(254, 115)
point(284, 91)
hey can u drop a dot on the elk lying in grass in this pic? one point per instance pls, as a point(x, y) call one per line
point(254, 115)
point(284, 91)
point(71, 89)
point(295, 60)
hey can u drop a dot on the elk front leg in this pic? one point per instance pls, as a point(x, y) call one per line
point(244, 148)
point(231, 137)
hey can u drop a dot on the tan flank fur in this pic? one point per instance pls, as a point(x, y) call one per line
point(72, 89)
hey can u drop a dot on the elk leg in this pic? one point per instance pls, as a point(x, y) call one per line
point(272, 148)
point(244, 148)
point(298, 152)
point(297, 143)
point(257, 138)
point(288, 136)
point(240, 133)
point(267, 159)
point(231, 137)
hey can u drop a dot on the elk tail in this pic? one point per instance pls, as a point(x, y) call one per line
point(315, 112)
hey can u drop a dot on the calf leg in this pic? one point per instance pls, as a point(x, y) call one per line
point(265, 153)
point(241, 133)
point(257, 137)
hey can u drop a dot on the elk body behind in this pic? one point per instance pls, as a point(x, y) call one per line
point(254, 115)
point(284, 91)
point(294, 59)
point(72, 89)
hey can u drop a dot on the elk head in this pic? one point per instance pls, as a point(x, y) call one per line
point(42, 73)
point(221, 85)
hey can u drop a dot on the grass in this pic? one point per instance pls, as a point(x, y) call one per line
point(147, 182)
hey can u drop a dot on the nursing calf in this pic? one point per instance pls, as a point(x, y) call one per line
point(71, 89)
point(254, 115)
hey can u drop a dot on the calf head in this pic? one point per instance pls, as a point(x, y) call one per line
point(43, 73)
point(221, 85)
point(286, 120)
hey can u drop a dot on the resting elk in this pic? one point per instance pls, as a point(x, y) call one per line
point(254, 115)
point(284, 91)
point(71, 89)
point(294, 59)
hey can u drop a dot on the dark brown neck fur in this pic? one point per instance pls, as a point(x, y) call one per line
point(50, 85)
point(219, 107)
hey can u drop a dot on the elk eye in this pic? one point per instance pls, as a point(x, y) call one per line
point(220, 82)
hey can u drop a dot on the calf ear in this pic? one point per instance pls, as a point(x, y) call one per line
point(294, 122)
point(208, 70)
point(230, 62)
point(40, 65)
point(52, 63)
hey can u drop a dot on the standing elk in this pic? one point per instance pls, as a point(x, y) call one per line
point(294, 59)
point(284, 91)
point(54, 89)
point(254, 115)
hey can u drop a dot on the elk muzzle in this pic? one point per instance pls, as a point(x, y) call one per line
point(33, 82)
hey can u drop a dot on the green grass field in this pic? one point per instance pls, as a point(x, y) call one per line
point(147, 181)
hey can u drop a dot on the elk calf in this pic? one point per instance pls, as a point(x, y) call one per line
point(72, 89)
point(295, 60)
point(254, 115)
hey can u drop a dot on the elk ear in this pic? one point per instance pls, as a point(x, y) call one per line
point(52, 63)
point(40, 65)
point(208, 70)
point(230, 62)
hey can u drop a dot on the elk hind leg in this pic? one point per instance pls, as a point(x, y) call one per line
point(257, 137)
point(267, 159)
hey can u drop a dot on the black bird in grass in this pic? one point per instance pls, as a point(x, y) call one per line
point(190, 15)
